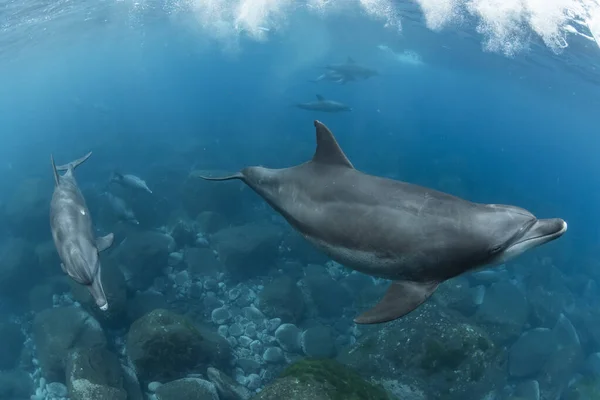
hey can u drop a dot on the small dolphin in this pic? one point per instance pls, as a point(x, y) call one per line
point(130, 181)
point(120, 208)
point(333, 76)
point(324, 105)
point(71, 226)
point(415, 236)
point(352, 70)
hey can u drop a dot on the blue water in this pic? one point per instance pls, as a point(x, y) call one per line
point(159, 88)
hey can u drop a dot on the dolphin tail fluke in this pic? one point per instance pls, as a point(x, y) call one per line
point(74, 164)
point(401, 298)
point(54, 171)
point(237, 175)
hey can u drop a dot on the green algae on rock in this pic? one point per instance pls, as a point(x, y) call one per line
point(321, 380)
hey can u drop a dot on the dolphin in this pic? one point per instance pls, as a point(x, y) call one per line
point(415, 236)
point(333, 76)
point(130, 181)
point(120, 208)
point(352, 70)
point(324, 105)
point(71, 225)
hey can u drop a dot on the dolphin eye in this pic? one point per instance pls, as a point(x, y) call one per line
point(496, 249)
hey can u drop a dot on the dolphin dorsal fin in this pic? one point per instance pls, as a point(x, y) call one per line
point(350, 60)
point(54, 171)
point(320, 98)
point(328, 150)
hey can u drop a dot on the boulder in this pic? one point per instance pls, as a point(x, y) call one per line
point(249, 250)
point(57, 332)
point(163, 346)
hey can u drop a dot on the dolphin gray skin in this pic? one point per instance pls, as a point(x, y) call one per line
point(130, 181)
point(71, 226)
point(324, 105)
point(120, 208)
point(333, 76)
point(352, 71)
point(415, 236)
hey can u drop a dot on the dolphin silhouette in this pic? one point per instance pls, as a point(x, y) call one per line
point(415, 236)
point(71, 226)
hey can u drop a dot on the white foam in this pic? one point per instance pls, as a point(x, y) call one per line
point(506, 25)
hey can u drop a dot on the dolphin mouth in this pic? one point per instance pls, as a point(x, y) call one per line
point(543, 231)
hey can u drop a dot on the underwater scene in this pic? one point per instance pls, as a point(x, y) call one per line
point(299, 200)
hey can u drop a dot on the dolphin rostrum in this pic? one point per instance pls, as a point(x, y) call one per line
point(130, 181)
point(71, 226)
point(324, 105)
point(415, 236)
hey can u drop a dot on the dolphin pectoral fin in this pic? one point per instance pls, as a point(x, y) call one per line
point(238, 175)
point(64, 269)
point(401, 298)
point(104, 242)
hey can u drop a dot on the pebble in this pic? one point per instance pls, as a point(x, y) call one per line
point(236, 330)
point(220, 315)
point(273, 355)
point(273, 324)
point(244, 341)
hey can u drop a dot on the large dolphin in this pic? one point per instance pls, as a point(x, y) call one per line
point(415, 236)
point(324, 105)
point(352, 71)
point(71, 226)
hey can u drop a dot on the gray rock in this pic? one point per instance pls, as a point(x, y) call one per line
point(57, 389)
point(504, 311)
point(531, 351)
point(188, 389)
point(58, 331)
point(438, 351)
point(528, 390)
point(248, 250)
point(244, 341)
point(220, 315)
point(143, 303)
point(202, 263)
point(273, 355)
point(94, 374)
point(317, 342)
point(142, 257)
point(254, 314)
point(236, 330)
point(328, 295)
point(163, 345)
point(281, 298)
point(288, 337)
point(248, 365)
point(227, 388)
point(254, 382)
point(250, 330)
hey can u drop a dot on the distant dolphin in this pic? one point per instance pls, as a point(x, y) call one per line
point(333, 76)
point(120, 208)
point(324, 105)
point(130, 181)
point(352, 70)
point(71, 226)
point(415, 236)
